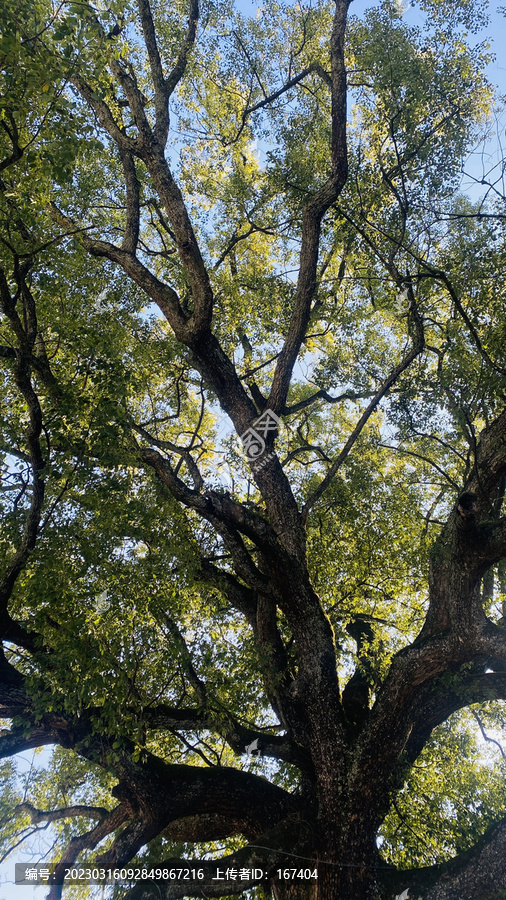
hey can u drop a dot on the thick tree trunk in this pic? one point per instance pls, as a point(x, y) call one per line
point(346, 864)
point(295, 890)
point(346, 884)
point(350, 871)
point(336, 881)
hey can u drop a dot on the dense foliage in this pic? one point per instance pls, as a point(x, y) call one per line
point(209, 216)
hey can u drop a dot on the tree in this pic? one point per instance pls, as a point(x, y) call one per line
point(253, 446)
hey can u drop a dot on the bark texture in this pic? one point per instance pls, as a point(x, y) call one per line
point(351, 756)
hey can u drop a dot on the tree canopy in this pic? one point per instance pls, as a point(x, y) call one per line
point(253, 448)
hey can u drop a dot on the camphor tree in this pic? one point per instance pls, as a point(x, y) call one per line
point(210, 219)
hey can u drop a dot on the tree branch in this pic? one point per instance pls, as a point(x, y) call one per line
point(165, 296)
point(484, 734)
point(443, 697)
point(418, 345)
point(26, 334)
point(292, 82)
point(11, 130)
point(109, 823)
point(216, 507)
point(445, 280)
point(477, 872)
point(160, 86)
point(322, 394)
point(104, 115)
point(179, 69)
point(183, 452)
point(242, 598)
point(16, 740)
point(237, 735)
point(67, 812)
point(312, 216)
point(260, 854)
point(131, 236)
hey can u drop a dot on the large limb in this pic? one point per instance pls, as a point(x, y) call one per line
point(25, 333)
point(150, 147)
point(162, 294)
point(472, 540)
point(273, 849)
point(259, 609)
point(313, 214)
point(425, 679)
point(36, 730)
point(65, 812)
point(160, 795)
point(456, 632)
point(152, 794)
point(434, 706)
point(174, 77)
point(54, 728)
point(237, 735)
point(106, 825)
point(477, 872)
point(16, 740)
point(221, 509)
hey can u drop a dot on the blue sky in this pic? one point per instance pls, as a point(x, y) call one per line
point(496, 31)
point(495, 34)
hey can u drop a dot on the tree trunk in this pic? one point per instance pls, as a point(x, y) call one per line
point(346, 869)
point(295, 890)
point(334, 882)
